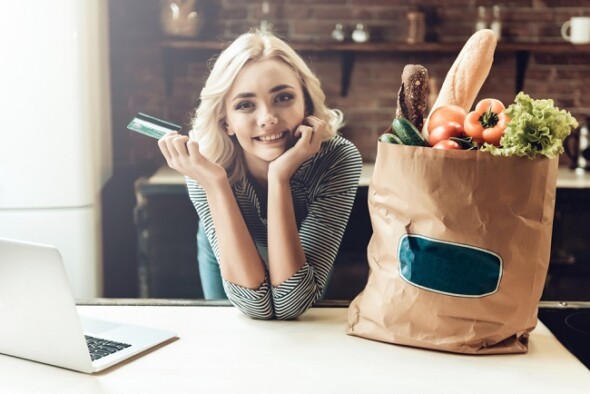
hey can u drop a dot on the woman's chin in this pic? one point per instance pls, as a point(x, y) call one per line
point(272, 156)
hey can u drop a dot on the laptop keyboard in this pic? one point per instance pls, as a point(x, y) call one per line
point(102, 347)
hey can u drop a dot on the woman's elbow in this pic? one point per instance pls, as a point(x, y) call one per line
point(263, 312)
point(293, 311)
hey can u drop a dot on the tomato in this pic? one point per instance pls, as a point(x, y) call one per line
point(487, 122)
point(445, 114)
point(444, 132)
point(447, 144)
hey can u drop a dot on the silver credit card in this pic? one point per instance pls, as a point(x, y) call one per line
point(151, 126)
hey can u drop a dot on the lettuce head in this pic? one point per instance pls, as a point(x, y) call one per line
point(536, 128)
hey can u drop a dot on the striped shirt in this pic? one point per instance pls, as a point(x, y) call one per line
point(323, 191)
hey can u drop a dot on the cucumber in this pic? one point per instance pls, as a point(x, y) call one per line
point(407, 132)
point(390, 138)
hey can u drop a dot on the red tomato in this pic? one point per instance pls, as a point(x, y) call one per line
point(447, 144)
point(444, 114)
point(444, 132)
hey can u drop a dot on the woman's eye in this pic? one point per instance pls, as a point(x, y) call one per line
point(283, 98)
point(244, 105)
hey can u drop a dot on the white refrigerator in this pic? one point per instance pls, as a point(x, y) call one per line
point(55, 128)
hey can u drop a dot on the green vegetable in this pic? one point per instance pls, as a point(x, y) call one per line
point(407, 132)
point(390, 138)
point(466, 143)
point(536, 127)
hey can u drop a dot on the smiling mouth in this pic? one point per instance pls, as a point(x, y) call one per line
point(271, 137)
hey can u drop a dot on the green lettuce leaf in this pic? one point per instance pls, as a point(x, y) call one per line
point(536, 127)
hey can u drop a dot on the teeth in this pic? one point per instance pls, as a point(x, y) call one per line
point(271, 137)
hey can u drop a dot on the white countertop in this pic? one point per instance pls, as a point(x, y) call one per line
point(566, 178)
point(220, 350)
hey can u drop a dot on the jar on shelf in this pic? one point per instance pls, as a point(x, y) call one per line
point(360, 33)
point(496, 24)
point(482, 18)
point(181, 18)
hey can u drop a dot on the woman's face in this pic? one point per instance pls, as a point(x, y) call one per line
point(264, 107)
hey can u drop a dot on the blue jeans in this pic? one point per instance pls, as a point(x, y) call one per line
point(208, 268)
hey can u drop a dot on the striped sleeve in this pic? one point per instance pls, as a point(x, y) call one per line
point(321, 231)
point(255, 303)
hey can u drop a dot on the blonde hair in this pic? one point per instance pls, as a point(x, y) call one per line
point(208, 126)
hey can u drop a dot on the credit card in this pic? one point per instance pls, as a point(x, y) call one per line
point(151, 126)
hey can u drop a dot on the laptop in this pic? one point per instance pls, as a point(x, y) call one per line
point(39, 320)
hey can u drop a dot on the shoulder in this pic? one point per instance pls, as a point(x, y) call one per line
point(339, 154)
point(338, 158)
point(338, 143)
point(339, 149)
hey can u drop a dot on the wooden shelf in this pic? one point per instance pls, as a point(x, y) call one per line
point(521, 50)
point(390, 47)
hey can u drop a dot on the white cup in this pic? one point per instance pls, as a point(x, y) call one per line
point(579, 30)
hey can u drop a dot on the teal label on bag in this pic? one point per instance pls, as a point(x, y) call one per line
point(448, 268)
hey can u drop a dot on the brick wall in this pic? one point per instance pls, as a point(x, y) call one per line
point(138, 83)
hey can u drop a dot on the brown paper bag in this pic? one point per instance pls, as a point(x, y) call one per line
point(459, 252)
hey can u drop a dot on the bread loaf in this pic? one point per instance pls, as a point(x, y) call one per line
point(468, 73)
point(412, 98)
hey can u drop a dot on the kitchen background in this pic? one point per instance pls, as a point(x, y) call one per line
point(149, 75)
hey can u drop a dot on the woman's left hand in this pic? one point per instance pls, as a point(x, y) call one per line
point(309, 136)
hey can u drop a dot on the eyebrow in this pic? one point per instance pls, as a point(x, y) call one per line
point(275, 89)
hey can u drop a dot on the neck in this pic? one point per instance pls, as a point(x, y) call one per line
point(260, 180)
point(258, 171)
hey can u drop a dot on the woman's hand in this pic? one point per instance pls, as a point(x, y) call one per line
point(183, 155)
point(309, 136)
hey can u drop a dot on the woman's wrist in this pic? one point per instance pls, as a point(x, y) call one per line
point(278, 176)
point(215, 185)
point(278, 172)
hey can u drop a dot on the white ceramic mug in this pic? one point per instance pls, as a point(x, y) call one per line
point(579, 30)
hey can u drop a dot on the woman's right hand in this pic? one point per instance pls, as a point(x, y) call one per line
point(182, 154)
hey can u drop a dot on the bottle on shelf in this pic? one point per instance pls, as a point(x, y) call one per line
point(265, 25)
point(496, 24)
point(482, 18)
point(338, 33)
point(416, 27)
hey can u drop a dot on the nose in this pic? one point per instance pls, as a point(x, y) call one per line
point(267, 119)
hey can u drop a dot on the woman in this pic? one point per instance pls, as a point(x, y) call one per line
point(272, 182)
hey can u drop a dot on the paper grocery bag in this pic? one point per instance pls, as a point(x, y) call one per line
point(459, 252)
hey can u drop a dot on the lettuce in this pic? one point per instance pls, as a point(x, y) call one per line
point(536, 127)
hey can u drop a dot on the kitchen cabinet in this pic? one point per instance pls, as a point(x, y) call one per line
point(569, 274)
point(175, 50)
point(166, 225)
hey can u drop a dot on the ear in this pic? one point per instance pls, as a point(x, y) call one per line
point(227, 130)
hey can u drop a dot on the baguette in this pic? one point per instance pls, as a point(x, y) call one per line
point(468, 73)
